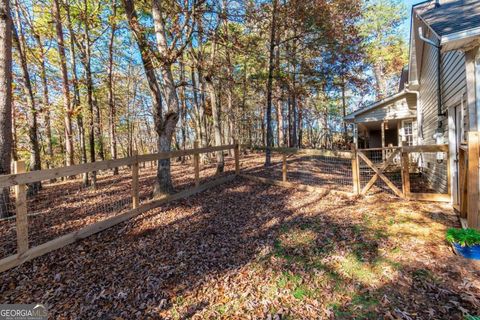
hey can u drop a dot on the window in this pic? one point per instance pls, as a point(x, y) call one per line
point(408, 133)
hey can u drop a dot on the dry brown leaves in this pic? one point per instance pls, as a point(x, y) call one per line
point(250, 251)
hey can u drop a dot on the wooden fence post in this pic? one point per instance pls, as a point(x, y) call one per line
point(196, 163)
point(284, 167)
point(472, 187)
point(355, 171)
point(135, 187)
point(463, 178)
point(21, 211)
point(237, 157)
point(406, 174)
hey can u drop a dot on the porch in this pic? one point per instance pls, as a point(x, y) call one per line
point(390, 122)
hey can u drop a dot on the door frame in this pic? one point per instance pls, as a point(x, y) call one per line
point(455, 128)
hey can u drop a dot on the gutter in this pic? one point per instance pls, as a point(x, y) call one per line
point(470, 33)
point(440, 114)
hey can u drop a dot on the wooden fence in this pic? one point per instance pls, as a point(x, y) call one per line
point(357, 159)
point(375, 160)
point(345, 155)
point(468, 174)
point(20, 179)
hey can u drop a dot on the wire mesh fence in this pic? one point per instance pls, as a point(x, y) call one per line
point(182, 172)
point(322, 171)
point(428, 172)
point(65, 206)
point(7, 222)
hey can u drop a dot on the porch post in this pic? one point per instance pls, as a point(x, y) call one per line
point(383, 140)
point(355, 135)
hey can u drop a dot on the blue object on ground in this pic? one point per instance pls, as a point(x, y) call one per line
point(469, 252)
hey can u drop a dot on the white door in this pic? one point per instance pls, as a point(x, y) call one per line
point(454, 141)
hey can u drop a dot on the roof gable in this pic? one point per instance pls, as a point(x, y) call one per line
point(397, 106)
point(451, 16)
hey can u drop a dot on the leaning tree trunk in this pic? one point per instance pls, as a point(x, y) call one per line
point(164, 180)
point(46, 102)
point(77, 108)
point(65, 85)
point(5, 102)
point(164, 124)
point(165, 132)
point(35, 163)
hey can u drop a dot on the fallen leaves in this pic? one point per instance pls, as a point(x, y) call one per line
point(252, 251)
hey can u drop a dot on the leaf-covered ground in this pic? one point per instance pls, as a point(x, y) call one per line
point(251, 251)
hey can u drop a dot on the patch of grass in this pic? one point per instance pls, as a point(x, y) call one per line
point(356, 269)
point(364, 301)
point(360, 307)
point(294, 283)
point(338, 312)
point(288, 278)
point(424, 274)
point(222, 309)
point(280, 252)
point(301, 292)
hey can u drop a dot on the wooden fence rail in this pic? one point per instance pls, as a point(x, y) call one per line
point(362, 156)
point(20, 179)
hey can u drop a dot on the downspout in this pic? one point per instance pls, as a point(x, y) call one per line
point(440, 114)
point(419, 115)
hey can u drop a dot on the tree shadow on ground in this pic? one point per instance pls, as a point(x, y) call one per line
point(314, 255)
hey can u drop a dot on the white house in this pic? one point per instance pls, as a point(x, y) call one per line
point(439, 98)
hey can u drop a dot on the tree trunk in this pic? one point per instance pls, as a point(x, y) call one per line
point(199, 133)
point(65, 85)
point(201, 89)
point(76, 95)
point(5, 102)
point(278, 101)
point(99, 129)
point(86, 59)
point(271, 67)
point(217, 130)
point(46, 102)
point(300, 122)
point(183, 109)
point(164, 124)
point(35, 163)
point(111, 100)
point(380, 79)
point(344, 111)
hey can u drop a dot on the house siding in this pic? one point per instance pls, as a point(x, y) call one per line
point(453, 83)
point(397, 110)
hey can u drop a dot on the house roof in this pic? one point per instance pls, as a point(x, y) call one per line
point(378, 104)
point(451, 16)
point(454, 24)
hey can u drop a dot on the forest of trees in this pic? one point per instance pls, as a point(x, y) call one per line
point(85, 80)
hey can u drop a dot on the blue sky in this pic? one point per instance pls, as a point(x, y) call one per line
point(406, 26)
